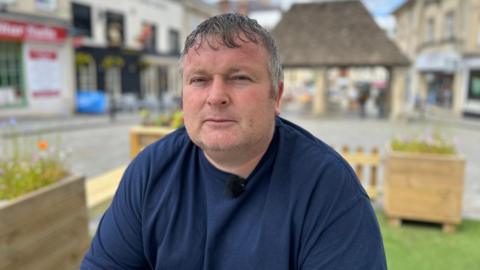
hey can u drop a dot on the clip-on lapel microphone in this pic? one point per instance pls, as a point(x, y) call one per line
point(235, 186)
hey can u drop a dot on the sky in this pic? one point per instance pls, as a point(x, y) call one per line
point(382, 7)
point(381, 11)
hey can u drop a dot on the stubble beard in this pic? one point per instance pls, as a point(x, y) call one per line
point(240, 150)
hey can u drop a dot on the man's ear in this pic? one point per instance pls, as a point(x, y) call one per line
point(278, 97)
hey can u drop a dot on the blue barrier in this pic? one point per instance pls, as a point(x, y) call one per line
point(91, 102)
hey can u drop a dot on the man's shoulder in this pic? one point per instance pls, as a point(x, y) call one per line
point(300, 142)
point(162, 156)
point(314, 162)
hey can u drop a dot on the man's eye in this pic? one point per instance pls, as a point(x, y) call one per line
point(241, 78)
point(197, 80)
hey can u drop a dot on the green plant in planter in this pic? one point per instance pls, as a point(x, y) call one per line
point(173, 119)
point(27, 164)
point(427, 142)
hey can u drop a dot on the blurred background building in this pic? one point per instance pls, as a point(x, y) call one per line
point(36, 57)
point(334, 52)
point(62, 56)
point(442, 39)
point(130, 49)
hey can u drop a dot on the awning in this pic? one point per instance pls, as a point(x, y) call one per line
point(438, 61)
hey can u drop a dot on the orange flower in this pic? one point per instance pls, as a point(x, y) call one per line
point(42, 145)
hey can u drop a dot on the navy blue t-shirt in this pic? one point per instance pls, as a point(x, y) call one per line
point(303, 208)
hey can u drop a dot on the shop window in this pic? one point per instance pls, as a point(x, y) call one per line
point(174, 41)
point(86, 72)
point(113, 82)
point(115, 29)
point(474, 85)
point(449, 25)
point(11, 78)
point(87, 77)
point(82, 20)
point(440, 89)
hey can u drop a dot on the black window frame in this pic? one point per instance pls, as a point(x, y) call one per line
point(82, 19)
point(476, 74)
point(174, 41)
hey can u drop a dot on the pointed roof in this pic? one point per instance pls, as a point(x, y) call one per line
point(340, 33)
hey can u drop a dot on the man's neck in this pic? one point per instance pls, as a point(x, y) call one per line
point(241, 164)
point(242, 169)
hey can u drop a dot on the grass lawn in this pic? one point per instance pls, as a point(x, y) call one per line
point(417, 246)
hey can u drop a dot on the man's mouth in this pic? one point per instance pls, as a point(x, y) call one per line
point(219, 121)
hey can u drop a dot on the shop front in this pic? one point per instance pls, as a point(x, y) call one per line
point(439, 89)
point(35, 68)
point(472, 87)
point(115, 71)
point(438, 72)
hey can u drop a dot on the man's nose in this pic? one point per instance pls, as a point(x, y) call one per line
point(218, 94)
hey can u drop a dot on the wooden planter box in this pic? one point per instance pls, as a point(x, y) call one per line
point(141, 136)
point(45, 229)
point(424, 187)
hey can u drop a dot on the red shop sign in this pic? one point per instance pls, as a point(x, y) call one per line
point(12, 30)
point(37, 54)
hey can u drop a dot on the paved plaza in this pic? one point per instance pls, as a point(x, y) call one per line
point(96, 145)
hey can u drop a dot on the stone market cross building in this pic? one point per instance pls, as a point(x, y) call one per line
point(341, 34)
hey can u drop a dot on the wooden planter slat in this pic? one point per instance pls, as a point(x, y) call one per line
point(424, 187)
point(140, 137)
point(45, 229)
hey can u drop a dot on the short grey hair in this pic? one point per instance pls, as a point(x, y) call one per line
point(231, 27)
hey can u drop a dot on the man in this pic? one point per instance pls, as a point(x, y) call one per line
point(238, 187)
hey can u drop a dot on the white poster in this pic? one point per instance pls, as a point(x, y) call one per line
point(43, 73)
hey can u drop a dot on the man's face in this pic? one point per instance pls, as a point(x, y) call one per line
point(228, 99)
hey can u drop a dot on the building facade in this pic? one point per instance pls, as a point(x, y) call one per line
point(442, 39)
point(127, 50)
point(52, 52)
point(36, 58)
point(130, 50)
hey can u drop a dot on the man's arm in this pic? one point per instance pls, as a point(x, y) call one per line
point(118, 241)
